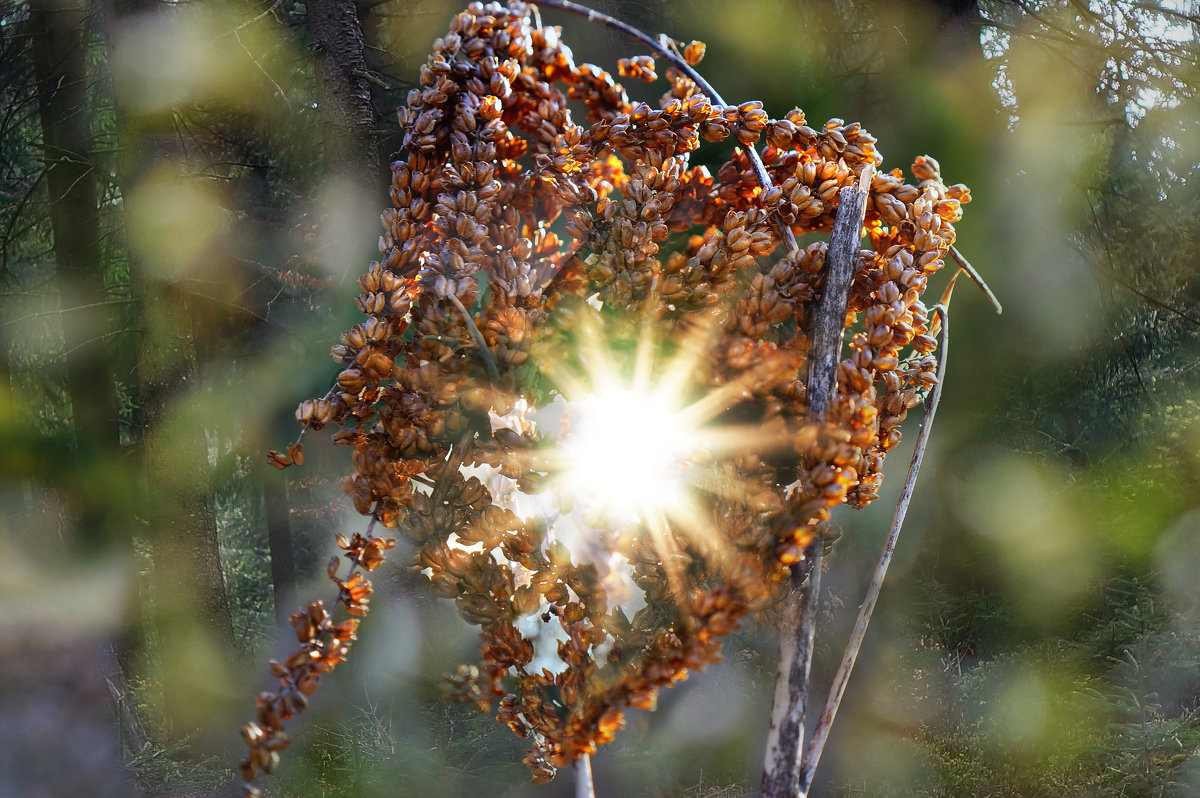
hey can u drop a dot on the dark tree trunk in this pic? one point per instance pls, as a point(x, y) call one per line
point(59, 62)
point(344, 89)
point(100, 514)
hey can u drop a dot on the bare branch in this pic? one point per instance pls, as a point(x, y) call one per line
point(781, 769)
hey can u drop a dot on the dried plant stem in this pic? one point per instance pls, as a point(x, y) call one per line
point(781, 768)
point(480, 345)
point(829, 315)
point(966, 266)
point(796, 637)
point(658, 46)
point(821, 733)
point(584, 788)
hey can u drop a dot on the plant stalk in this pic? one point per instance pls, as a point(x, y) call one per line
point(785, 742)
point(584, 788)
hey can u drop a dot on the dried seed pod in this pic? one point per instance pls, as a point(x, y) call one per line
point(278, 459)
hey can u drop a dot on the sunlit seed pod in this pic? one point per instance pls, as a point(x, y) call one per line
point(834, 492)
point(352, 380)
point(694, 52)
point(747, 137)
point(755, 119)
point(714, 131)
point(903, 332)
point(295, 453)
point(369, 281)
point(927, 379)
point(889, 292)
point(611, 721)
point(772, 197)
point(959, 192)
point(305, 411)
point(252, 733)
point(278, 459)
point(378, 366)
point(828, 190)
point(307, 685)
point(926, 168)
point(885, 362)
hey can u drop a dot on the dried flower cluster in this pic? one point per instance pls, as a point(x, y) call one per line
point(324, 645)
point(514, 228)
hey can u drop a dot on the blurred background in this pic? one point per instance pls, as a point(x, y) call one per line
point(188, 192)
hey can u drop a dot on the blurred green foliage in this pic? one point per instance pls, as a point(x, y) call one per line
point(1041, 632)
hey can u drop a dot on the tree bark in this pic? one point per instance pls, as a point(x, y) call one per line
point(344, 89)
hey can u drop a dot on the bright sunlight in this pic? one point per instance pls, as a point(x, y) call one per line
point(602, 467)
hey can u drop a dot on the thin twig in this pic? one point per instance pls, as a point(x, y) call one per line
point(785, 741)
point(63, 311)
point(760, 169)
point(480, 344)
point(965, 265)
point(584, 787)
point(821, 733)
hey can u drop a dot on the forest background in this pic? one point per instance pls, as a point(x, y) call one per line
point(188, 192)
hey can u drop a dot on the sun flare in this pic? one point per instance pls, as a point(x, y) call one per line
point(626, 452)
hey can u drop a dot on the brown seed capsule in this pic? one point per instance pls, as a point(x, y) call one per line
point(295, 453)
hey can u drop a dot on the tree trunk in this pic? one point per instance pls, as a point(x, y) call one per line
point(60, 69)
point(344, 90)
point(101, 508)
point(785, 741)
